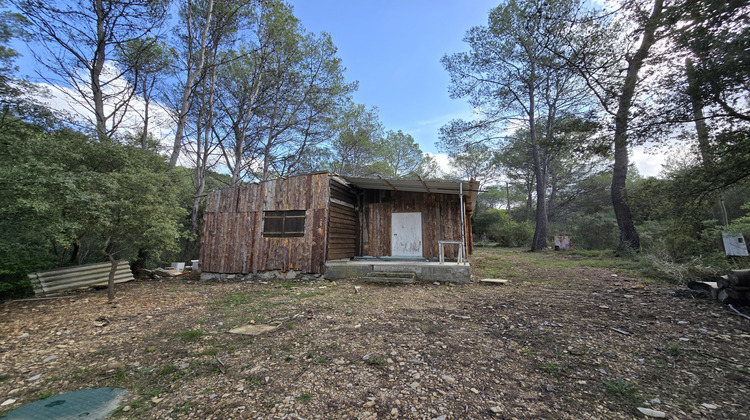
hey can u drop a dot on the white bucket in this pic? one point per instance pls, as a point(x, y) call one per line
point(178, 266)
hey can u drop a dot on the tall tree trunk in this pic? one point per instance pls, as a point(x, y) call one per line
point(97, 65)
point(203, 153)
point(240, 132)
point(146, 105)
point(199, 183)
point(530, 197)
point(192, 74)
point(539, 241)
point(628, 233)
point(239, 147)
point(552, 195)
point(701, 128)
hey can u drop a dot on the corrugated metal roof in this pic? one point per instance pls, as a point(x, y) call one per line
point(470, 188)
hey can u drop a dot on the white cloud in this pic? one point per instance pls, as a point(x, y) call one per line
point(648, 163)
point(443, 161)
point(69, 102)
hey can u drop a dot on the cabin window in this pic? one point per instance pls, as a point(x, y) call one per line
point(284, 224)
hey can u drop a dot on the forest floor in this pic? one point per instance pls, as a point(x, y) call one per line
point(572, 335)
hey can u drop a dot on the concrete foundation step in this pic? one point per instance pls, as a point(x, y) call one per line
point(395, 277)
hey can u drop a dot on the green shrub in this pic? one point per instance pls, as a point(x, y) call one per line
point(595, 231)
point(513, 234)
point(14, 286)
point(620, 386)
point(483, 220)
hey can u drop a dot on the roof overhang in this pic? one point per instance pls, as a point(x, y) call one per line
point(469, 189)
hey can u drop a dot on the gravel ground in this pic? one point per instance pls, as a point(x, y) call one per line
point(563, 339)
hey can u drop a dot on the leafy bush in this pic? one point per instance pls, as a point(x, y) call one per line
point(14, 286)
point(513, 234)
point(484, 219)
point(593, 231)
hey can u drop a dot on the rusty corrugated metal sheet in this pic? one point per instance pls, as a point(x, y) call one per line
point(51, 282)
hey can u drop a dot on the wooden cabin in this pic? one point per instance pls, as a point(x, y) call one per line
point(299, 223)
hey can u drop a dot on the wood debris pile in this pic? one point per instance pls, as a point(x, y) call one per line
point(733, 288)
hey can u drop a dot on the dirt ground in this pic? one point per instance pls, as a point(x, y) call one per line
point(568, 337)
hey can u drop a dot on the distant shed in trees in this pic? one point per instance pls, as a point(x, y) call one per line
point(299, 223)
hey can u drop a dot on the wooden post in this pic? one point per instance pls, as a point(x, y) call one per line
point(463, 223)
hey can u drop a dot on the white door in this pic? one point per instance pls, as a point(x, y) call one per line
point(406, 234)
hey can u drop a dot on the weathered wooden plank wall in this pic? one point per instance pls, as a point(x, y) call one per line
point(232, 239)
point(342, 222)
point(441, 220)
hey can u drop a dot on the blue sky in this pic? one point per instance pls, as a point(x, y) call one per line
point(393, 48)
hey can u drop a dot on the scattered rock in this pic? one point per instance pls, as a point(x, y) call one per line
point(116, 365)
point(414, 338)
point(34, 378)
point(652, 413)
point(101, 322)
point(9, 401)
point(494, 281)
point(254, 329)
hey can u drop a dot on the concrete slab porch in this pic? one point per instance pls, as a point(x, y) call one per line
point(427, 271)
